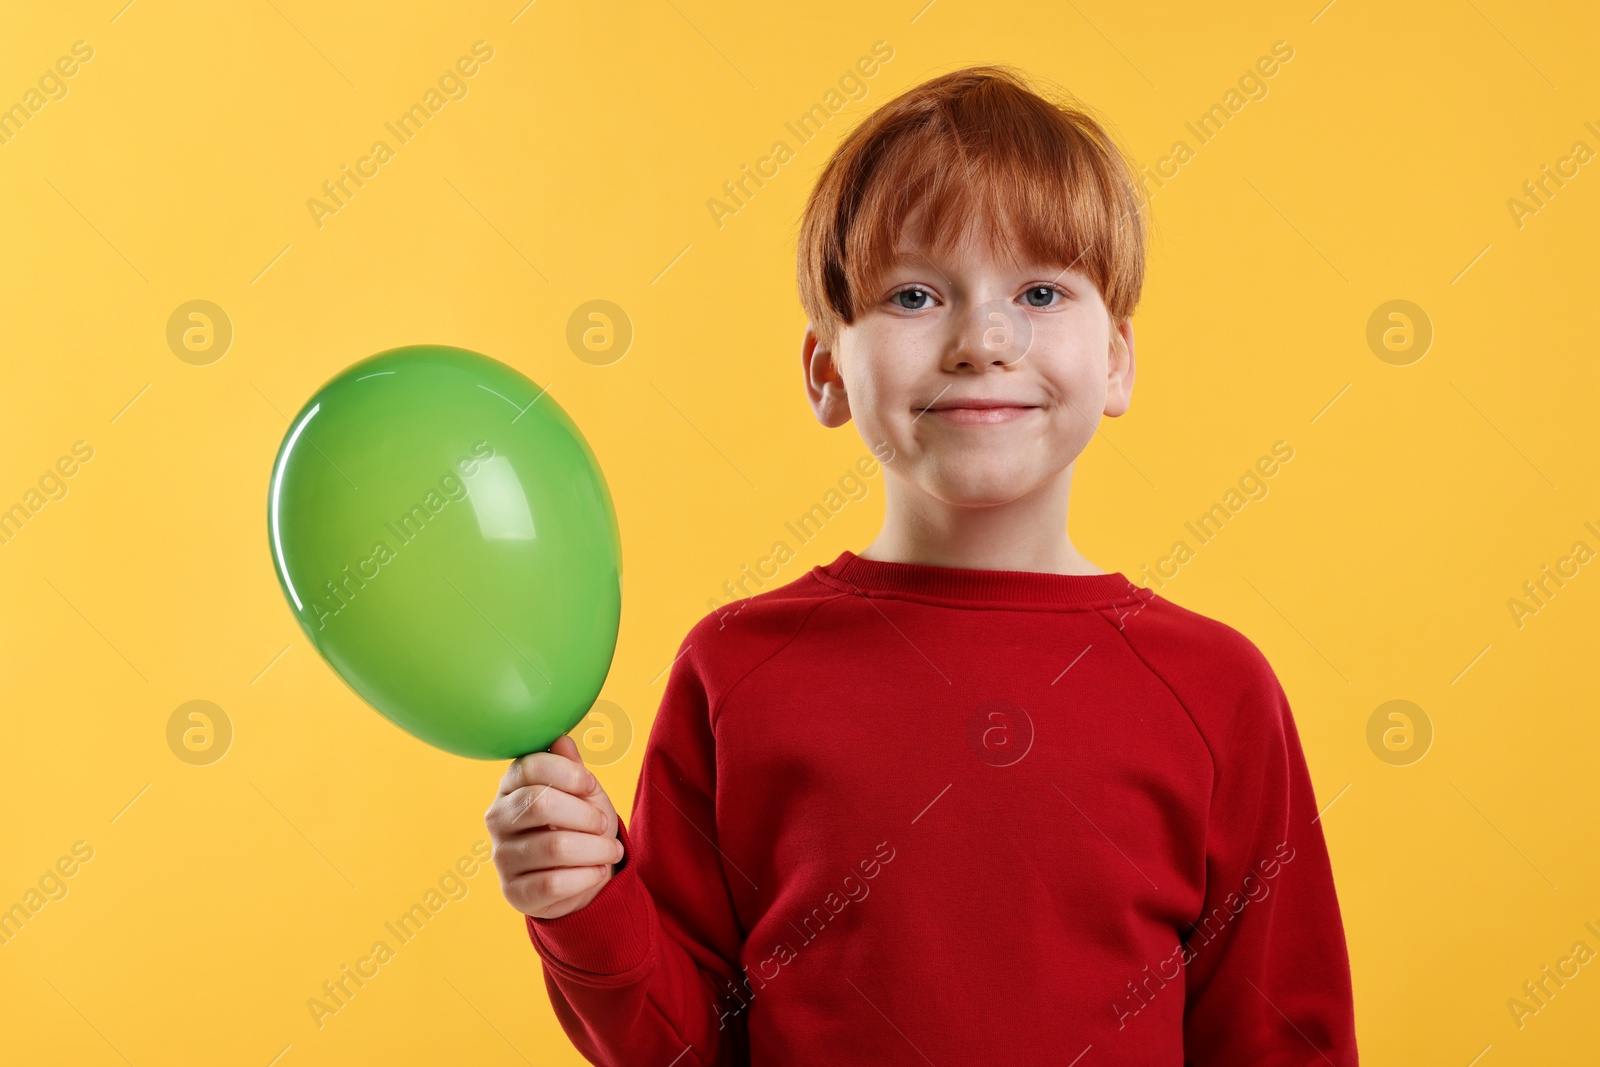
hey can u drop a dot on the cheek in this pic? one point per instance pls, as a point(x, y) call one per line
point(1075, 353)
point(1082, 338)
point(875, 383)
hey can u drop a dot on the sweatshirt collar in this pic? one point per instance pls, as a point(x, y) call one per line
point(960, 585)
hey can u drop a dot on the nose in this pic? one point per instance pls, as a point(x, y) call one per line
point(990, 334)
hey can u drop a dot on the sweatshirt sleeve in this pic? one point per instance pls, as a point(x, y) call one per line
point(1267, 970)
point(635, 976)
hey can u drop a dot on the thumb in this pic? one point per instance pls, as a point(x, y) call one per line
point(566, 746)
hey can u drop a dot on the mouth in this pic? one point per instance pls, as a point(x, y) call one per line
point(981, 413)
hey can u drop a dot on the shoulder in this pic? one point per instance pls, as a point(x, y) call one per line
point(1222, 679)
point(732, 640)
point(1175, 632)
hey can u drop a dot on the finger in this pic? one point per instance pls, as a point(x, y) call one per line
point(546, 768)
point(545, 889)
point(545, 849)
point(565, 746)
point(545, 805)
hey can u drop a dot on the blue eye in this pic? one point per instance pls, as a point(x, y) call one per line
point(1048, 292)
point(911, 292)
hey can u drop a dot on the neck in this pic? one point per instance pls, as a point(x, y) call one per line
point(1025, 534)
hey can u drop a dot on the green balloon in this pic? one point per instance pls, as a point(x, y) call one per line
point(444, 534)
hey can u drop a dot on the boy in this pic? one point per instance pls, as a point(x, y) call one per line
point(962, 797)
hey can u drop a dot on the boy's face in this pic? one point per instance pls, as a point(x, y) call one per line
point(942, 335)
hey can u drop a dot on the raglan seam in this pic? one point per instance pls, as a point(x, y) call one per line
point(1157, 675)
point(722, 700)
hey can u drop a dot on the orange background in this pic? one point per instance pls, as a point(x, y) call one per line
point(1377, 163)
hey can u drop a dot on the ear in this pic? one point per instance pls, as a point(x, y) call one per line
point(1119, 369)
point(824, 385)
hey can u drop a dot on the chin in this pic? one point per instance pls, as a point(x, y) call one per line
point(979, 488)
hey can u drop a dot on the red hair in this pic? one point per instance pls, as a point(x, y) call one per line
point(976, 145)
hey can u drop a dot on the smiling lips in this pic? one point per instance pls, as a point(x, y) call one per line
point(979, 412)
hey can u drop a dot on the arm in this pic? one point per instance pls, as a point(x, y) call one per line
point(635, 976)
point(1267, 971)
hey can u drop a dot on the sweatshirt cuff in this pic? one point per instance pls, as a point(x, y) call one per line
point(611, 937)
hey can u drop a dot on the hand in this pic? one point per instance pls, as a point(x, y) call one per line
point(554, 833)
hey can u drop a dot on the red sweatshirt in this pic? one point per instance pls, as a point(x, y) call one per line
point(892, 813)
